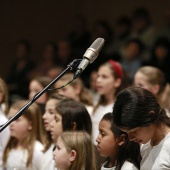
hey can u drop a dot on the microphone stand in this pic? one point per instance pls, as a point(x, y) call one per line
point(71, 66)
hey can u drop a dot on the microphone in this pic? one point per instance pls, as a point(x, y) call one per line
point(89, 56)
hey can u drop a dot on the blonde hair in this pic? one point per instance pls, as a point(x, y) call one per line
point(4, 91)
point(84, 95)
point(33, 114)
point(80, 142)
point(156, 77)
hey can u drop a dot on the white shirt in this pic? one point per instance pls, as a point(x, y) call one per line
point(17, 158)
point(48, 161)
point(97, 116)
point(4, 136)
point(156, 157)
point(126, 166)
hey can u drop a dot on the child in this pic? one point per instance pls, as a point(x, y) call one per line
point(4, 135)
point(48, 117)
point(110, 80)
point(75, 90)
point(35, 86)
point(113, 143)
point(23, 150)
point(74, 151)
point(137, 112)
point(153, 79)
point(132, 58)
point(70, 115)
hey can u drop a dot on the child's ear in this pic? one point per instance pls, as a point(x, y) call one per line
point(117, 82)
point(73, 155)
point(78, 89)
point(30, 126)
point(121, 139)
point(155, 89)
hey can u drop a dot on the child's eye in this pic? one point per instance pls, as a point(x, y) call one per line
point(51, 112)
point(102, 134)
point(56, 119)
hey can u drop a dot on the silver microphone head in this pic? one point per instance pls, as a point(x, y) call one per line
point(93, 51)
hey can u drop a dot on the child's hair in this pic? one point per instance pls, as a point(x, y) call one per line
point(48, 140)
point(85, 96)
point(44, 81)
point(4, 92)
point(154, 76)
point(80, 142)
point(35, 117)
point(133, 106)
point(117, 72)
point(129, 151)
point(74, 112)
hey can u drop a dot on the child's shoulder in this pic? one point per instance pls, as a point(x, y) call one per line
point(38, 146)
point(128, 165)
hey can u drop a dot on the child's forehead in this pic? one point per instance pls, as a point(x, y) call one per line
point(12, 111)
point(106, 124)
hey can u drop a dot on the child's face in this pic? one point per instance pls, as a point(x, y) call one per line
point(61, 156)
point(105, 81)
point(48, 116)
point(68, 91)
point(107, 144)
point(19, 128)
point(34, 88)
point(132, 51)
point(56, 126)
point(141, 134)
point(140, 80)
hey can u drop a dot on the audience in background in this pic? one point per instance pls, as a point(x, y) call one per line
point(132, 60)
point(20, 70)
point(47, 61)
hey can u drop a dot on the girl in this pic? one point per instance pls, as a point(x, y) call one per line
point(110, 80)
point(153, 79)
point(70, 115)
point(74, 151)
point(75, 90)
point(48, 117)
point(4, 135)
point(23, 150)
point(35, 86)
point(137, 112)
point(113, 143)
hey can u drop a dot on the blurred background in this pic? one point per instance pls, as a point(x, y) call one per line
point(40, 21)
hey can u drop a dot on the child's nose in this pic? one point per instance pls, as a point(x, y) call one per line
point(52, 123)
point(98, 138)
